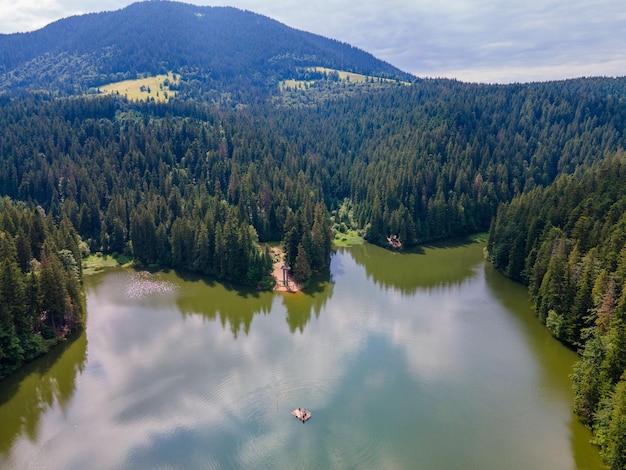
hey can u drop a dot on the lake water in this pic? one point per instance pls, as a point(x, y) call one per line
point(427, 360)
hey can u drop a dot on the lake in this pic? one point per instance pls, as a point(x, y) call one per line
point(424, 360)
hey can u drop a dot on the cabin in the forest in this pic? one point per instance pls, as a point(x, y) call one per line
point(394, 242)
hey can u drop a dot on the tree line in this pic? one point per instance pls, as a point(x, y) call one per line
point(427, 161)
point(203, 188)
point(41, 294)
point(568, 243)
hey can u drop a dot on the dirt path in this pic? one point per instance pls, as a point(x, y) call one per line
point(278, 255)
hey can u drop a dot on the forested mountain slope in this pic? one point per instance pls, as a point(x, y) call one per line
point(568, 242)
point(434, 160)
point(424, 162)
point(225, 47)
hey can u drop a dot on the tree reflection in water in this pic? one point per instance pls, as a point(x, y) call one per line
point(41, 385)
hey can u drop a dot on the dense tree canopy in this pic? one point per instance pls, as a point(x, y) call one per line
point(428, 161)
point(203, 182)
point(202, 188)
point(40, 283)
point(177, 183)
point(568, 242)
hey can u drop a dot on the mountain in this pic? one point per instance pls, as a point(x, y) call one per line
point(219, 45)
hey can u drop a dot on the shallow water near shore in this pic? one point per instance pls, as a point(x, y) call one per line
point(424, 360)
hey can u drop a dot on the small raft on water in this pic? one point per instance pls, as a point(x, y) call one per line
point(301, 414)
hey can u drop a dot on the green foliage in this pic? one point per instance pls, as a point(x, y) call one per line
point(41, 298)
point(198, 188)
point(614, 449)
point(223, 54)
point(421, 162)
point(574, 258)
point(302, 268)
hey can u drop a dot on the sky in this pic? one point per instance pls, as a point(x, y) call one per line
point(487, 41)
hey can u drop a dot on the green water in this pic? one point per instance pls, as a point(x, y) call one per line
point(429, 360)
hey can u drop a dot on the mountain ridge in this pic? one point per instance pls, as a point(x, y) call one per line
point(218, 44)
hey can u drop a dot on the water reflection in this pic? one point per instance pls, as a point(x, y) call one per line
point(301, 305)
point(580, 439)
point(45, 383)
point(555, 361)
point(425, 267)
point(234, 306)
point(514, 298)
point(144, 283)
point(442, 378)
point(185, 392)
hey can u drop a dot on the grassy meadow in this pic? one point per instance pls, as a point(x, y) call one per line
point(98, 262)
point(156, 88)
point(343, 77)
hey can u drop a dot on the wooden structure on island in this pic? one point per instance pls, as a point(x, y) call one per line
point(302, 414)
point(286, 270)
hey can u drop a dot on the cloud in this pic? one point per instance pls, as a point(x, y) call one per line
point(25, 16)
point(487, 40)
point(30, 15)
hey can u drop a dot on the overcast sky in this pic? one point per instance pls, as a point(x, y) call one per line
point(472, 40)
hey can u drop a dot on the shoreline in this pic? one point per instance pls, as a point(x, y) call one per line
point(278, 255)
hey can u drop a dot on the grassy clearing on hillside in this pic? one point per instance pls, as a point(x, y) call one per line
point(98, 262)
point(344, 76)
point(144, 89)
point(292, 84)
point(341, 75)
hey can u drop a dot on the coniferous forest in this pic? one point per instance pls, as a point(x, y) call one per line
point(201, 183)
point(41, 298)
point(201, 188)
point(568, 243)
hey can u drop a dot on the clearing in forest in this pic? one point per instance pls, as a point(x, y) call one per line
point(156, 88)
point(278, 257)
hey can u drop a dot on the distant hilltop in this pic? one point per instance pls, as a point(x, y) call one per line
point(220, 47)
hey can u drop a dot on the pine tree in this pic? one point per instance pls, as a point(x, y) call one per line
point(11, 314)
point(614, 450)
point(589, 386)
point(302, 267)
point(52, 293)
point(202, 259)
point(321, 239)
